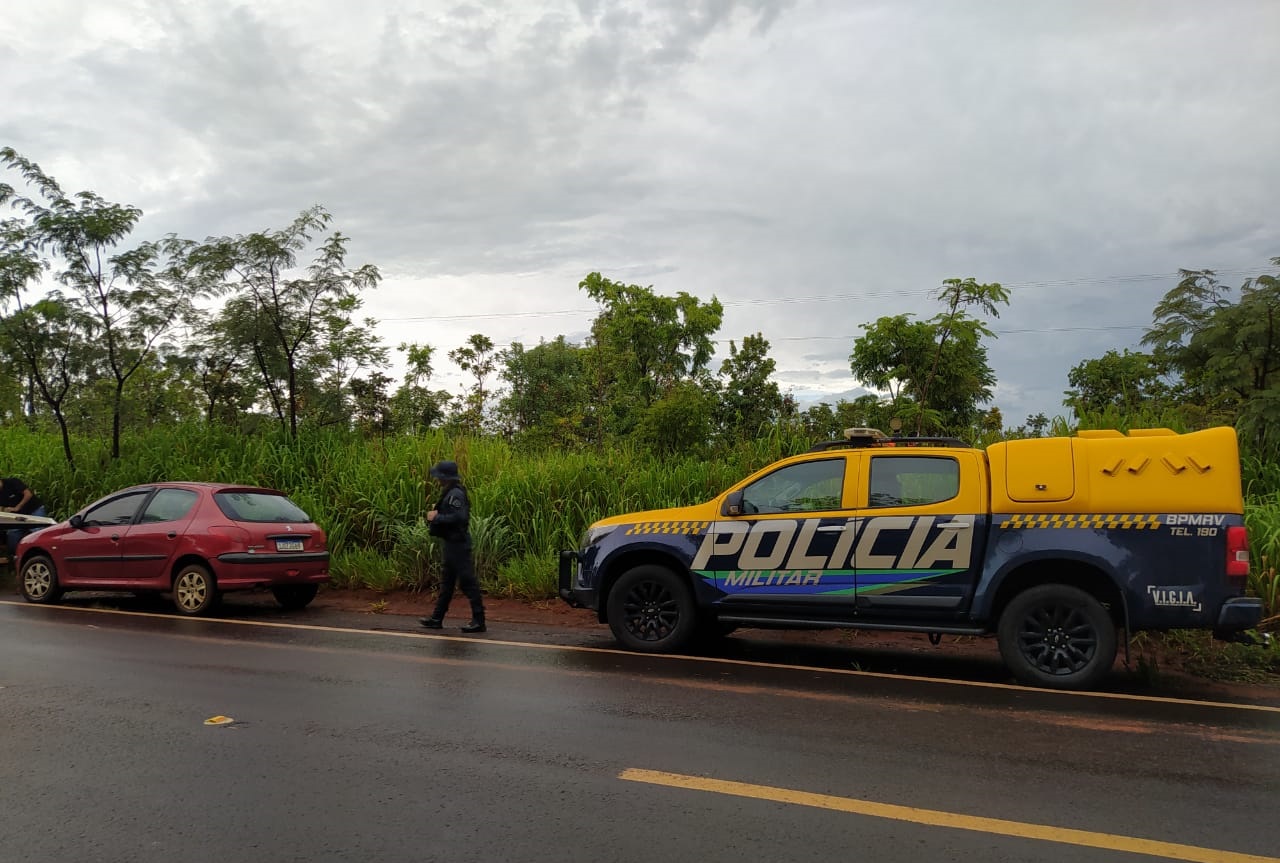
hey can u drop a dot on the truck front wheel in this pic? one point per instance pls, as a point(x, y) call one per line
point(1057, 636)
point(651, 609)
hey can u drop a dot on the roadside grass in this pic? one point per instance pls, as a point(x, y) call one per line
point(371, 496)
point(1198, 653)
point(528, 577)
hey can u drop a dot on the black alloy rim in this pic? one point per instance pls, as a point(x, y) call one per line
point(1058, 639)
point(651, 611)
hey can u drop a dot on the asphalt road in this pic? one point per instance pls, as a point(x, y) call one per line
point(355, 745)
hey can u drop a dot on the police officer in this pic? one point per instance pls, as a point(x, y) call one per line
point(449, 520)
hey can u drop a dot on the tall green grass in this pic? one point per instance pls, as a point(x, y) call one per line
point(372, 496)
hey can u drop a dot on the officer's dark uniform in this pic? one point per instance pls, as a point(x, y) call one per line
point(453, 516)
point(12, 490)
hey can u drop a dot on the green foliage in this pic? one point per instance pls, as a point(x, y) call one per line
point(363, 567)
point(297, 327)
point(528, 577)
point(897, 355)
point(546, 401)
point(678, 422)
point(954, 323)
point(1262, 518)
point(825, 421)
point(416, 554)
point(1198, 653)
point(50, 342)
point(642, 345)
point(1223, 347)
point(476, 358)
point(371, 498)
point(1128, 382)
point(748, 399)
point(122, 301)
point(493, 542)
point(415, 407)
point(936, 371)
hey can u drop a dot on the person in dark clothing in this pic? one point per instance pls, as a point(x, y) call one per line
point(450, 521)
point(16, 497)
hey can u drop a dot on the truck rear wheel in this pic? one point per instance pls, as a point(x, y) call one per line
point(1057, 636)
point(651, 609)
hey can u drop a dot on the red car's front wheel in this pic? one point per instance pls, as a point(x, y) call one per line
point(38, 580)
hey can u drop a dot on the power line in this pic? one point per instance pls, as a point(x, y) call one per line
point(831, 298)
point(1014, 331)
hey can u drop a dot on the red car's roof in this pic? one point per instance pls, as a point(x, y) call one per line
point(210, 486)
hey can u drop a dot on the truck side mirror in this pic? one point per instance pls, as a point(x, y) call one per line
point(732, 504)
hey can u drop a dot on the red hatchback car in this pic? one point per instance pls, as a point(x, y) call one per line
point(194, 540)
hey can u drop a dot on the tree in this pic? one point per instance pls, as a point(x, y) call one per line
point(958, 295)
point(642, 345)
point(414, 406)
point(20, 265)
point(51, 339)
point(546, 399)
point(373, 413)
point(343, 349)
point(935, 372)
point(223, 376)
point(1223, 349)
point(1127, 381)
point(828, 422)
point(678, 422)
point(282, 317)
point(1035, 425)
point(136, 295)
point(748, 399)
point(162, 391)
point(892, 355)
point(475, 357)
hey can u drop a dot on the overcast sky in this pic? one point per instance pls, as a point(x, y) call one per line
point(814, 164)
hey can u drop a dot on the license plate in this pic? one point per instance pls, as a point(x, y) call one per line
point(288, 545)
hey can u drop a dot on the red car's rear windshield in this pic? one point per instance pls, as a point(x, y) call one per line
point(259, 507)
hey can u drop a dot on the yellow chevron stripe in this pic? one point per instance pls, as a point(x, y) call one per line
point(1095, 521)
point(688, 528)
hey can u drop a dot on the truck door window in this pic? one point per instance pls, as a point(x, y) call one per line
point(812, 486)
point(912, 480)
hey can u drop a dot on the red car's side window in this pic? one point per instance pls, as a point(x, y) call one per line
point(169, 504)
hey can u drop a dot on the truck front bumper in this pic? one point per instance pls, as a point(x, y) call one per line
point(568, 574)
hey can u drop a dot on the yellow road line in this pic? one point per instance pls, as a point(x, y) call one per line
point(935, 818)
point(713, 660)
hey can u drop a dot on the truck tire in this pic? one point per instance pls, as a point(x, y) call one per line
point(651, 610)
point(1057, 636)
point(293, 597)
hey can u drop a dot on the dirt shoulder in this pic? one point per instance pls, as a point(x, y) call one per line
point(1155, 668)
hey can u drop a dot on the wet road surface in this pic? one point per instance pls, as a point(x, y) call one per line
point(349, 744)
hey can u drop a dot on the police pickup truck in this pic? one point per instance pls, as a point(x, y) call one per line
point(1049, 544)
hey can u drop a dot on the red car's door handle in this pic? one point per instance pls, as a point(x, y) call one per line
point(172, 535)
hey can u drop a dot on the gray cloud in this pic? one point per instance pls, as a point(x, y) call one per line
point(492, 154)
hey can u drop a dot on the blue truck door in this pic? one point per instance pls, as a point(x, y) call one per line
point(919, 541)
